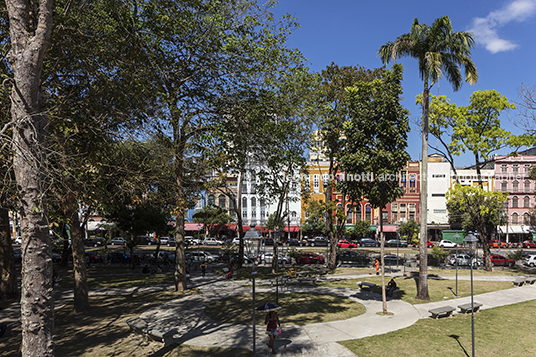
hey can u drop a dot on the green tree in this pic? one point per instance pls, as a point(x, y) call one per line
point(315, 223)
point(409, 229)
point(479, 210)
point(332, 116)
point(361, 228)
point(439, 52)
point(377, 141)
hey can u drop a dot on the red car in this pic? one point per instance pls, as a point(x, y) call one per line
point(310, 258)
point(346, 244)
point(529, 244)
point(500, 260)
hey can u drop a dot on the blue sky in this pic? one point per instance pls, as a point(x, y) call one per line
point(349, 32)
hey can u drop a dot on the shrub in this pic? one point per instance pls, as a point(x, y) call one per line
point(515, 255)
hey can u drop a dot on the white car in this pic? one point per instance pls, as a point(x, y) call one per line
point(190, 240)
point(212, 241)
point(118, 241)
point(236, 240)
point(447, 244)
point(463, 260)
point(530, 260)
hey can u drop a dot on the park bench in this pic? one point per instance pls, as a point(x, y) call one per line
point(465, 308)
point(530, 280)
point(362, 284)
point(447, 310)
point(307, 280)
point(139, 326)
point(518, 282)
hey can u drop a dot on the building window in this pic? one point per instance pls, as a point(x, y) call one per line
point(253, 202)
point(504, 168)
point(349, 212)
point(316, 184)
point(221, 201)
point(504, 186)
point(412, 181)
point(515, 168)
point(253, 213)
point(527, 169)
point(515, 202)
point(325, 182)
point(368, 213)
point(411, 214)
point(438, 195)
point(244, 202)
point(244, 187)
point(440, 211)
point(385, 217)
point(526, 202)
point(438, 176)
point(231, 204)
point(403, 178)
point(515, 218)
point(526, 219)
point(211, 200)
point(358, 215)
point(244, 214)
point(515, 186)
point(403, 212)
point(527, 186)
point(294, 186)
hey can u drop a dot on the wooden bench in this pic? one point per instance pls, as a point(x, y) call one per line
point(465, 308)
point(139, 326)
point(307, 280)
point(530, 280)
point(362, 284)
point(447, 310)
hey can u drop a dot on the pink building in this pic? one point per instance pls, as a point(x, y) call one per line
point(512, 175)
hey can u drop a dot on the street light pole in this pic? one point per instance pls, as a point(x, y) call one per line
point(253, 239)
point(456, 237)
point(471, 239)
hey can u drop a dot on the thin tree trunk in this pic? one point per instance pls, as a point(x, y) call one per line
point(8, 278)
point(180, 261)
point(422, 288)
point(382, 262)
point(81, 299)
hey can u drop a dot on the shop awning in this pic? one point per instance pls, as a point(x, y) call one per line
point(389, 228)
point(190, 226)
point(373, 228)
point(292, 229)
point(515, 229)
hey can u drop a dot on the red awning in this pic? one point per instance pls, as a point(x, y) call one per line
point(189, 226)
point(292, 228)
point(389, 228)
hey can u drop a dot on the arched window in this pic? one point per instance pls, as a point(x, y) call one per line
point(368, 213)
point(515, 186)
point(349, 214)
point(515, 218)
point(244, 202)
point(211, 200)
point(221, 201)
point(527, 186)
point(358, 215)
point(526, 219)
point(515, 202)
point(526, 202)
point(253, 202)
point(504, 186)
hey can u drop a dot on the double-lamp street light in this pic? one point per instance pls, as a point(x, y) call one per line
point(471, 240)
point(252, 239)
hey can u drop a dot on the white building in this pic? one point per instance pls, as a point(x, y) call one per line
point(438, 184)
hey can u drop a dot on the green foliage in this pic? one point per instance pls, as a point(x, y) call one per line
point(409, 229)
point(293, 252)
point(274, 222)
point(515, 255)
point(439, 253)
point(212, 217)
point(376, 138)
point(315, 222)
point(361, 228)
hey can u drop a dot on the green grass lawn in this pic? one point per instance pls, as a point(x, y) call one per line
point(501, 331)
point(439, 290)
point(296, 308)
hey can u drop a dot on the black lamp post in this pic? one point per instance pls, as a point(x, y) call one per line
point(456, 237)
point(471, 240)
point(252, 239)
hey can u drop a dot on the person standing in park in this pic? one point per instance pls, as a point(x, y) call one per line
point(377, 265)
point(272, 322)
point(203, 267)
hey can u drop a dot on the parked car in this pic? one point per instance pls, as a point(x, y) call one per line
point(495, 244)
point(190, 240)
point(201, 256)
point(94, 242)
point(395, 243)
point(529, 244)
point(447, 244)
point(319, 242)
point(294, 242)
point(212, 241)
point(146, 240)
point(267, 258)
point(352, 258)
point(390, 259)
point(118, 241)
point(530, 261)
point(310, 258)
point(346, 244)
point(236, 240)
point(232, 257)
point(163, 240)
point(501, 260)
point(368, 242)
point(428, 244)
point(464, 260)
point(18, 241)
point(171, 242)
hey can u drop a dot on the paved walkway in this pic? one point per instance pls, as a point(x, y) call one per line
point(186, 315)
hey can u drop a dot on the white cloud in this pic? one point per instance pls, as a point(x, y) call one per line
point(486, 29)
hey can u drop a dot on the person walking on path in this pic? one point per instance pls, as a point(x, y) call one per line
point(203, 267)
point(377, 265)
point(272, 322)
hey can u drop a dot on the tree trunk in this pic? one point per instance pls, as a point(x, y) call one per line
point(8, 278)
point(29, 43)
point(332, 261)
point(81, 300)
point(180, 261)
point(422, 288)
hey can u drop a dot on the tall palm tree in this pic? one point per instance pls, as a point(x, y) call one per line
point(440, 53)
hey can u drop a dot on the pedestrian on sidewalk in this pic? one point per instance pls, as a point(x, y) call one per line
point(203, 267)
point(272, 322)
point(377, 265)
